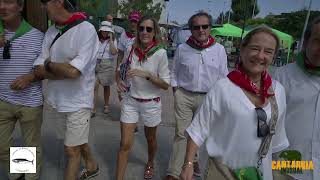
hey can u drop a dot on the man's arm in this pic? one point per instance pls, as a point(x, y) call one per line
point(41, 74)
point(63, 70)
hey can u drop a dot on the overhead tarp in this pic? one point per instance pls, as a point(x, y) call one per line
point(226, 30)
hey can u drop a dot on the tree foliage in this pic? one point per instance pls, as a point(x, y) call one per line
point(146, 7)
point(243, 8)
point(291, 23)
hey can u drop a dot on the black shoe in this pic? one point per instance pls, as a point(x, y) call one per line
point(136, 130)
point(22, 177)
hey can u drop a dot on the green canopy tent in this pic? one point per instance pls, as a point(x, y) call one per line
point(226, 30)
point(286, 41)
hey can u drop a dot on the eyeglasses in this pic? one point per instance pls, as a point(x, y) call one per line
point(148, 29)
point(6, 51)
point(45, 1)
point(263, 127)
point(204, 27)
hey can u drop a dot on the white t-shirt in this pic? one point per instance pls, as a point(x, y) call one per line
point(227, 123)
point(79, 47)
point(104, 50)
point(157, 64)
point(303, 115)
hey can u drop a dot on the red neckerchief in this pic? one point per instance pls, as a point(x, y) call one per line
point(197, 45)
point(75, 16)
point(142, 53)
point(240, 78)
point(130, 35)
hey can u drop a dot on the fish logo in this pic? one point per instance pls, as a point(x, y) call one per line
point(22, 161)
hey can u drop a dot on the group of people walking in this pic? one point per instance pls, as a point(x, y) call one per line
point(245, 117)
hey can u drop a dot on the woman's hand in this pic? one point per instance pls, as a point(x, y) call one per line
point(187, 173)
point(121, 86)
point(137, 72)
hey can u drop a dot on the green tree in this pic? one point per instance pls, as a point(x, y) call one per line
point(243, 8)
point(290, 23)
point(146, 7)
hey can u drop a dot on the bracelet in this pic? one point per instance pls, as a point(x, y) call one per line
point(188, 164)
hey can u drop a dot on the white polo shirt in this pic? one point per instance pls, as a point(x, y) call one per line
point(227, 123)
point(157, 64)
point(125, 42)
point(196, 70)
point(303, 115)
point(78, 47)
point(104, 50)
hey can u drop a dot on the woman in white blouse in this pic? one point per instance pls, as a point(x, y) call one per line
point(146, 75)
point(235, 116)
point(105, 69)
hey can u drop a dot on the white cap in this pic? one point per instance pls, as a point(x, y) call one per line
point(106, 26)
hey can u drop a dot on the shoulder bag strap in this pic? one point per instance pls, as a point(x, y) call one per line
point(266, 142)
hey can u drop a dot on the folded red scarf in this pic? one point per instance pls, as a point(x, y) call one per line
point(197, 45)
point(240, 78)
point(75, 16)
point(144, 53)
point(130, 35)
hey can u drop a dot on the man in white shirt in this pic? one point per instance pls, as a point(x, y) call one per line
point(68, 60)
point(198, 64)
point(127, 38)
point(301, 81)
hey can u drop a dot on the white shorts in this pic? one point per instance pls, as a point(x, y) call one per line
point(74, 126)
point(149, 112)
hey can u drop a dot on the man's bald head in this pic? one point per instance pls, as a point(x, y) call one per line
point(109, 18)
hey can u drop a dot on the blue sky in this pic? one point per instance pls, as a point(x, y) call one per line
point(181, 10)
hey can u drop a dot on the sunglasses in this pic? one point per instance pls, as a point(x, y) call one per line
point(263, 128)
point(204, 27)
point(148, 29)
point(6, 51)
point(45, 1)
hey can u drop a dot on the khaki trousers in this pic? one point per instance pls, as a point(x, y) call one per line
point(30, 120)
point(185, 105)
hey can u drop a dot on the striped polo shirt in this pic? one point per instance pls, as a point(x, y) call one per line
point(24, 51)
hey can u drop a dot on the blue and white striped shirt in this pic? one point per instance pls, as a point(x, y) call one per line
point(24, 51)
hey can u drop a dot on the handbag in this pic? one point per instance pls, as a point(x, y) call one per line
point(124, 67)
point(218, 170)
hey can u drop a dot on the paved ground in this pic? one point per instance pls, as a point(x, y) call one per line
point(104, 140)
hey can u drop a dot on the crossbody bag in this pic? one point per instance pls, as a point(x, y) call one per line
point(218, 170)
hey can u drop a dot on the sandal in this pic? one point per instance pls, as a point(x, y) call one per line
point(106, 109)
point(148, 172)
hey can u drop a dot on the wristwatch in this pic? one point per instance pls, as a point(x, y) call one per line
point(46, 64)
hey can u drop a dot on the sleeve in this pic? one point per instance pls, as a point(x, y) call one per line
point(280, 140)
point(173, 73)
point(203, 120)
point(163, 69)
point(44, 52)
point(121, 45)
point(224, 62)
point(88, 46)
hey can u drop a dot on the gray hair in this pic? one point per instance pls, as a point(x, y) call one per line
point(199, 14)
